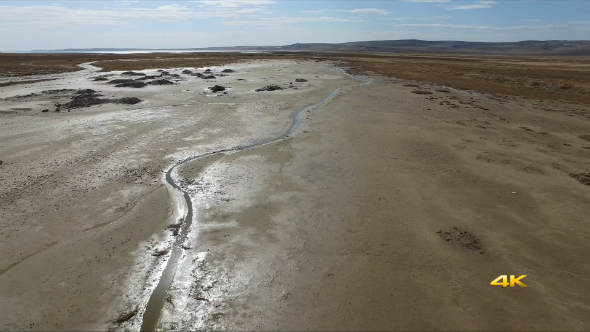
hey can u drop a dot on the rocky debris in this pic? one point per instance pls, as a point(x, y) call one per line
point(98, 79)
point(198, 75)
point(421, 92)
point(241, 79)
point(228, 71)
point(132, 73)
point(187, 72)
point(271, 87)
point(45, 110)
point(126, 316)
point(583, 178)
point(217, 88)
point(175, 228)
point(162, 252)
point(300, 80)
point(461, 238)
point(132, 84)
point(207, 70)
point(208, 77)
point(526, 128)
point(89, 97)
point(585, 137)
point(161, 82)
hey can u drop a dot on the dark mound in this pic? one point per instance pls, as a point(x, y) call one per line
point(128, 100)
point(271, 87)
point(82, 98)
point(161, 82)
point(121, 80)
point(585, 137)
point(217, 88)
point(207, 70)
point(422, 92)
point(89, 97)
point(97, 79)
point(132, 73)
point(187, 72)
point(209, 77)
point(198, 75)
point(132, 84)
point(228, 71)
point(147, 77)
point(300, 80)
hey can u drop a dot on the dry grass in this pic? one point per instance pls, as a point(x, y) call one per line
point(554, 78)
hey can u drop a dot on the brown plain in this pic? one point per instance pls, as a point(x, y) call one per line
point(552, 78)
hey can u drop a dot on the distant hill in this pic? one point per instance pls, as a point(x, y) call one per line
point(528, 47)
point(532, 47)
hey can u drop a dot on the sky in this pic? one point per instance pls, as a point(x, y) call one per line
point(59, 24)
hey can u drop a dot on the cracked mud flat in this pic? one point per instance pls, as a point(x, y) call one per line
point(334, 228)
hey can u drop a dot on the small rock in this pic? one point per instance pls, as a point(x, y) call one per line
point(217, 88)
point(271, 87)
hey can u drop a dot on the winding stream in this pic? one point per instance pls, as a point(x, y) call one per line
point(158, 297)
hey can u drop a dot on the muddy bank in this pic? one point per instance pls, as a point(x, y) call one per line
point(84, 214)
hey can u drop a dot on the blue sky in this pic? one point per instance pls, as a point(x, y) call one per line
point(57, 24)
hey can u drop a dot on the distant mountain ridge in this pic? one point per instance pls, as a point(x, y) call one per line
point(527, 47)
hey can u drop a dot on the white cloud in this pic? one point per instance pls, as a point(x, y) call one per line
point(365, 11)
point(426, 0)
point(291, 20)
point(478, 5)
point(59, 16)
point(371, 11)
point(407, 18)
point(235, 3)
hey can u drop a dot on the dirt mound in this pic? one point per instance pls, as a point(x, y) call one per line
point(217, 88)
point(161, 82)
point(228, 71)
point(462, 239)
point(89, 97)
point(127, 100)
point(132, 84)
point(271, 87)
point(120, 81)
point(132, 73)
point(300, 80)
point(147, 77)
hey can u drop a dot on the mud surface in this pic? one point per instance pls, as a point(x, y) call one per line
point(333, 228)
